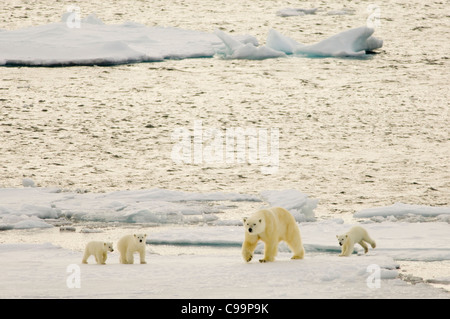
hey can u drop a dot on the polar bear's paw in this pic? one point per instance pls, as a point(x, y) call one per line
point(247, 255)
point(266, 260)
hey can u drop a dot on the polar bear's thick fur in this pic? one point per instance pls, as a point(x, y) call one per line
point(271, 226)
point(130, 244)
point(99, 249)
point(356, 234)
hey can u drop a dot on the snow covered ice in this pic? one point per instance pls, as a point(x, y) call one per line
point(204, 274)
point(354, 42)
point(238, 50)
point(96, 43)
point(400, 210)
point(192, 276)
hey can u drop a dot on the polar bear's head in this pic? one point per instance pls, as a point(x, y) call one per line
point(108, 247)
point(140, 238)
point(341, 239)
point(254, 225)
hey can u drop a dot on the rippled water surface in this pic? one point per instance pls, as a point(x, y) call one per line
point(354, 133)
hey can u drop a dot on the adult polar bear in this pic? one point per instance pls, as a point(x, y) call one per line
point(271, 226)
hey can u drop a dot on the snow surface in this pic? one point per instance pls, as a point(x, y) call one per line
point(95, 43)
point(26, 274)
point(39, 269)
point(46, 271)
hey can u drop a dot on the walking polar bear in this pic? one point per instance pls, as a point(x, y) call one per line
point(356, 234)
point(271, 226)
point(100, 251)
point(130, 244)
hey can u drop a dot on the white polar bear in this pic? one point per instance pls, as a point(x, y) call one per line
point(356, 234)
point(271, 226)
point(100, 251)
point(130, 244)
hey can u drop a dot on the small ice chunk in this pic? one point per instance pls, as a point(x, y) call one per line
point(238, 50)
point(28, 182)
point(289, 12)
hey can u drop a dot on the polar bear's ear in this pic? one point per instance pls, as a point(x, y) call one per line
point(244, 219)
point(134, 235)
point(337, 236)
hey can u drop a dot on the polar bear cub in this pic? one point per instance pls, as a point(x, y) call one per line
point(271, 226)
point(356, 234)
point(99, 249)
point(130, 244)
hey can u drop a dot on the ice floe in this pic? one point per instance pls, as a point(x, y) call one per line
point(94, 43)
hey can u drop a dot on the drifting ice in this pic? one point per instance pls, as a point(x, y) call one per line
point(94, 43)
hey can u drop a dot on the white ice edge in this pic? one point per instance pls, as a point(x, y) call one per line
point(29, 207)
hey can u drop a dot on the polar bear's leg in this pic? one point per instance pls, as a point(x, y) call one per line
point(99, 258)
point(270, 251)
point(248, 247)
point(299, 255)
point(124, 258)
point(371, 242)
point(104, 257)
point(347, 249)
point(298, 250)
point(296, 246)
point(129, 257)
point(85, 257)
point(142, 255)
point(363, 245)
point(344, 250)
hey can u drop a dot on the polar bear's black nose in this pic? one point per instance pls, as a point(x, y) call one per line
point(249, 230)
